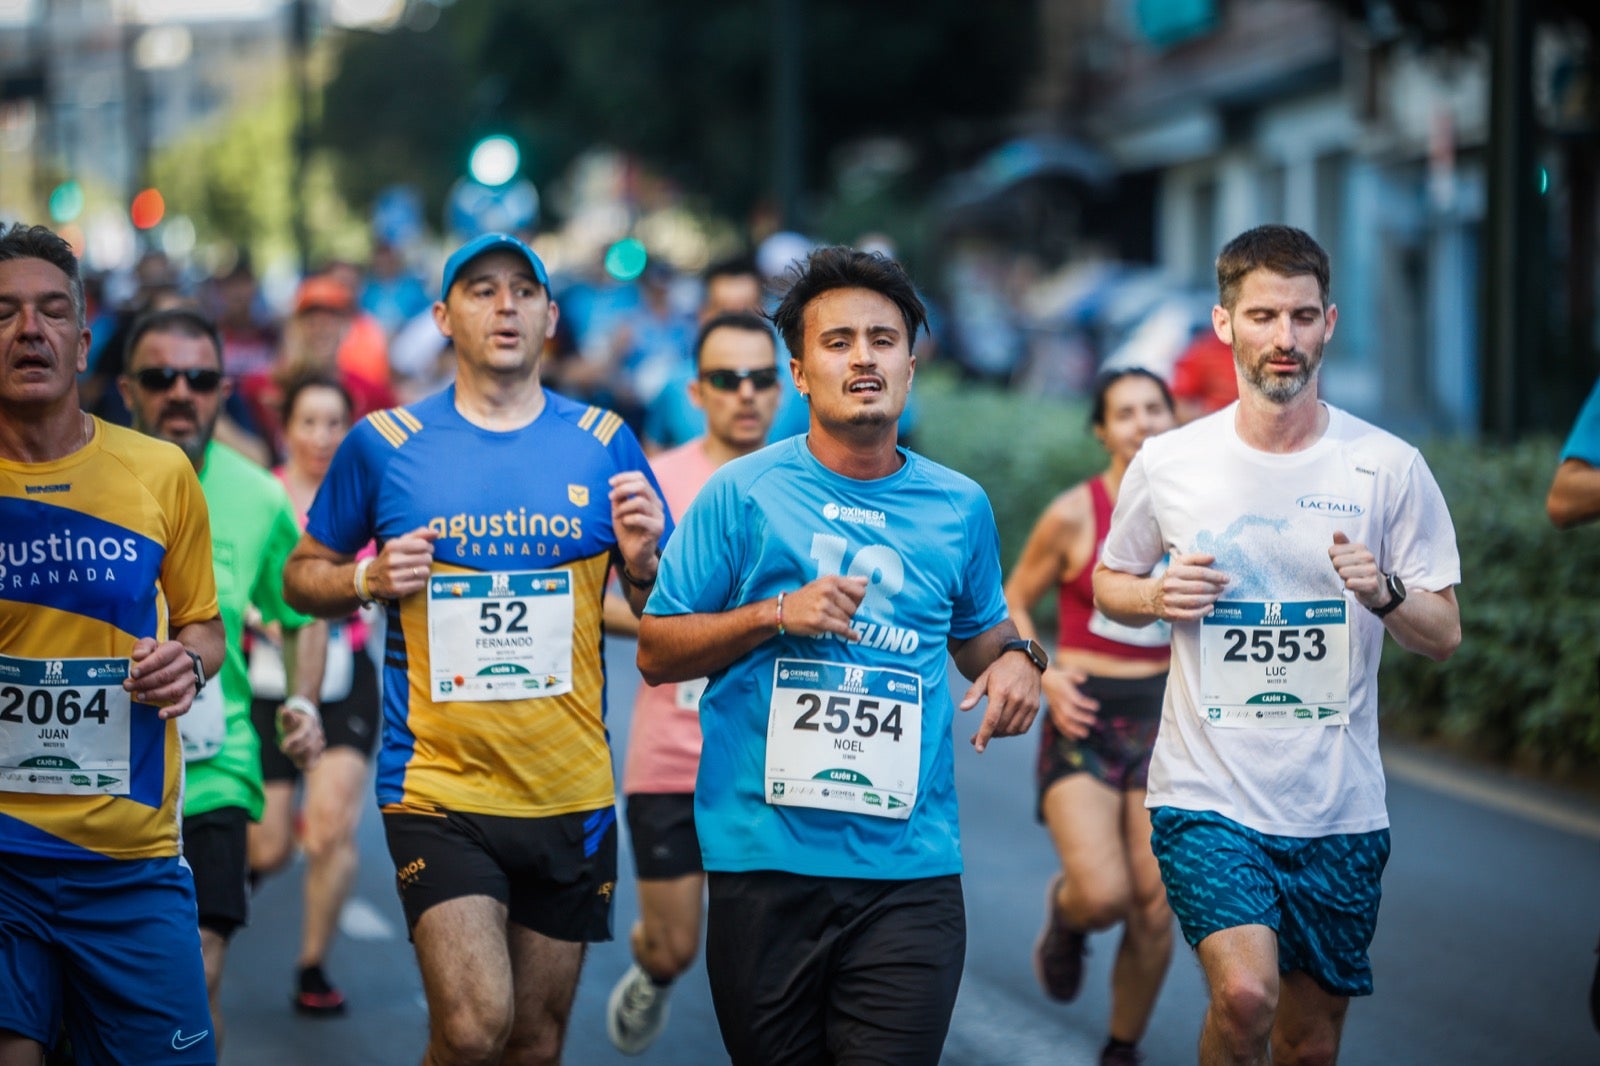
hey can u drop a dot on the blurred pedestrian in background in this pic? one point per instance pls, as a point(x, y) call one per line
point(1103, 692)
point(736, 385)
point(317, 415)
point(174, 386)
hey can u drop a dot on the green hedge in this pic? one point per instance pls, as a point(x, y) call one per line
point(1523, 686)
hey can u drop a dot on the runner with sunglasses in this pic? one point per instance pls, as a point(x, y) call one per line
point(174, 388)
point(736, 385)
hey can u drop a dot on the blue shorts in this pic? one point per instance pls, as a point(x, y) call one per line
point(113, 949)
point(1319, 894)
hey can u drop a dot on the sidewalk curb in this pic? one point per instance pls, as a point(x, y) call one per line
point(1569, 812)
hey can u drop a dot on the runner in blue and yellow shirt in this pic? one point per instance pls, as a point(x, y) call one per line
point(108, 630)
point(497, 508)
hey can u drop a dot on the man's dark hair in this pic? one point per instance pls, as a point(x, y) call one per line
point(22, 241)
point(745, 320)
point(839, 267)
point(1284, 250)
point(180, 320)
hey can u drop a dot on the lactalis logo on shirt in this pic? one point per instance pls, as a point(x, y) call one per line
point(1330, 505)
point(860, 516)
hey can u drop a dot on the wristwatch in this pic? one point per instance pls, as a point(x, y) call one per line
point(199, 670)
point(1030, 648)
point(1397, 595)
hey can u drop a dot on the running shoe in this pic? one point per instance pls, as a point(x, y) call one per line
point(317, 997)
point(1121, 1055)
point(636, 1012)
point(1058, 954)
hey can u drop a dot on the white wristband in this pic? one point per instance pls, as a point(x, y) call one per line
point(362, 592)
point(303, 706)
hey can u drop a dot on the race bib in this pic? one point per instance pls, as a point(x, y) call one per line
point(501, 636)
point(1273, 664)
point(267, 679)
point(686, 694)
point(844, 738)
point(205, 726)
point(64, 726)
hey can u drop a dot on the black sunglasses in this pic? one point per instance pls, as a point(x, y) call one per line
point(730, 380)
point(161, 379)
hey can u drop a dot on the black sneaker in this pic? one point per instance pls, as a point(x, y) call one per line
point(1058, 954)
point(317, 997)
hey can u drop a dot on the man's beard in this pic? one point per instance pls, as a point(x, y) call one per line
point(194, 445)
point(1280, 388)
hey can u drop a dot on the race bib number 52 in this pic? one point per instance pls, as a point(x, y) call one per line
point(1275, 664)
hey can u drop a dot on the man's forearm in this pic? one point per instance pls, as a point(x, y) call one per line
point(681, 647)
point(322, 588)
point(1428, 623)
point(207, 640)
point(1574, 494)
point(974, 655)
point(1127, 598)
point(305, 657)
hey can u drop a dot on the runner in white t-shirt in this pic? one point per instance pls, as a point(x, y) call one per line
point(1298, 535)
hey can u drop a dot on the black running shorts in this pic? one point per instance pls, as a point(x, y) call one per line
point(661, 828)
point(216, 849)
point(831, 970)
point(555, 875)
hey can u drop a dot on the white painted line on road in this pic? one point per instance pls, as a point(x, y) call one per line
point(360, 920)
point(990, 1026)
point(1507, 798)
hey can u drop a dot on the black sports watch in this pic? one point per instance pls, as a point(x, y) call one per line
point(199, 670)
point(1397, 595)
point(1030, 648)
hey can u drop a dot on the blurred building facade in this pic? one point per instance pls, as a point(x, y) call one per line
point(90, 88)
point(1223, 114)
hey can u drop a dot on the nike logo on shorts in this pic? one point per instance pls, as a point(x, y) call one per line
point(184, 1043)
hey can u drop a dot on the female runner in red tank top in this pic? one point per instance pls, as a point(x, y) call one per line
point(1103, 692)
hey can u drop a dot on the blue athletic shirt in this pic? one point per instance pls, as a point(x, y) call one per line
point(774, 521)
point(1583, 442)
point(534, 498)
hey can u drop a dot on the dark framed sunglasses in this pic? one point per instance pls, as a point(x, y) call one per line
point(161, 379)
point(730, 380)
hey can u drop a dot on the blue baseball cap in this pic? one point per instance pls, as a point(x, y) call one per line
point(491, 242)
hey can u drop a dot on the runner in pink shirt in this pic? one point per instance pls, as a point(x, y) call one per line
point(736, 384)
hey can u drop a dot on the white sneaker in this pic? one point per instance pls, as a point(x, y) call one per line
point(636, 1012)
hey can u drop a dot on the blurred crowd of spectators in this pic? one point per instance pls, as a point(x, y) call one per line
point(628, 344)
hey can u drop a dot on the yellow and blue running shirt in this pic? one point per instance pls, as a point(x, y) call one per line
point(532, 503)
point(108, 545)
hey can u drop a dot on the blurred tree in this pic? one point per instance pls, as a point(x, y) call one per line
point(232, 181)
point(684, 85)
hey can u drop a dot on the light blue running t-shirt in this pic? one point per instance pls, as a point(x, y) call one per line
point(822, 756)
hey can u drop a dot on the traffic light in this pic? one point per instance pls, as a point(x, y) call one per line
point(494, 160)
point(147, 209)
point(66, 201)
